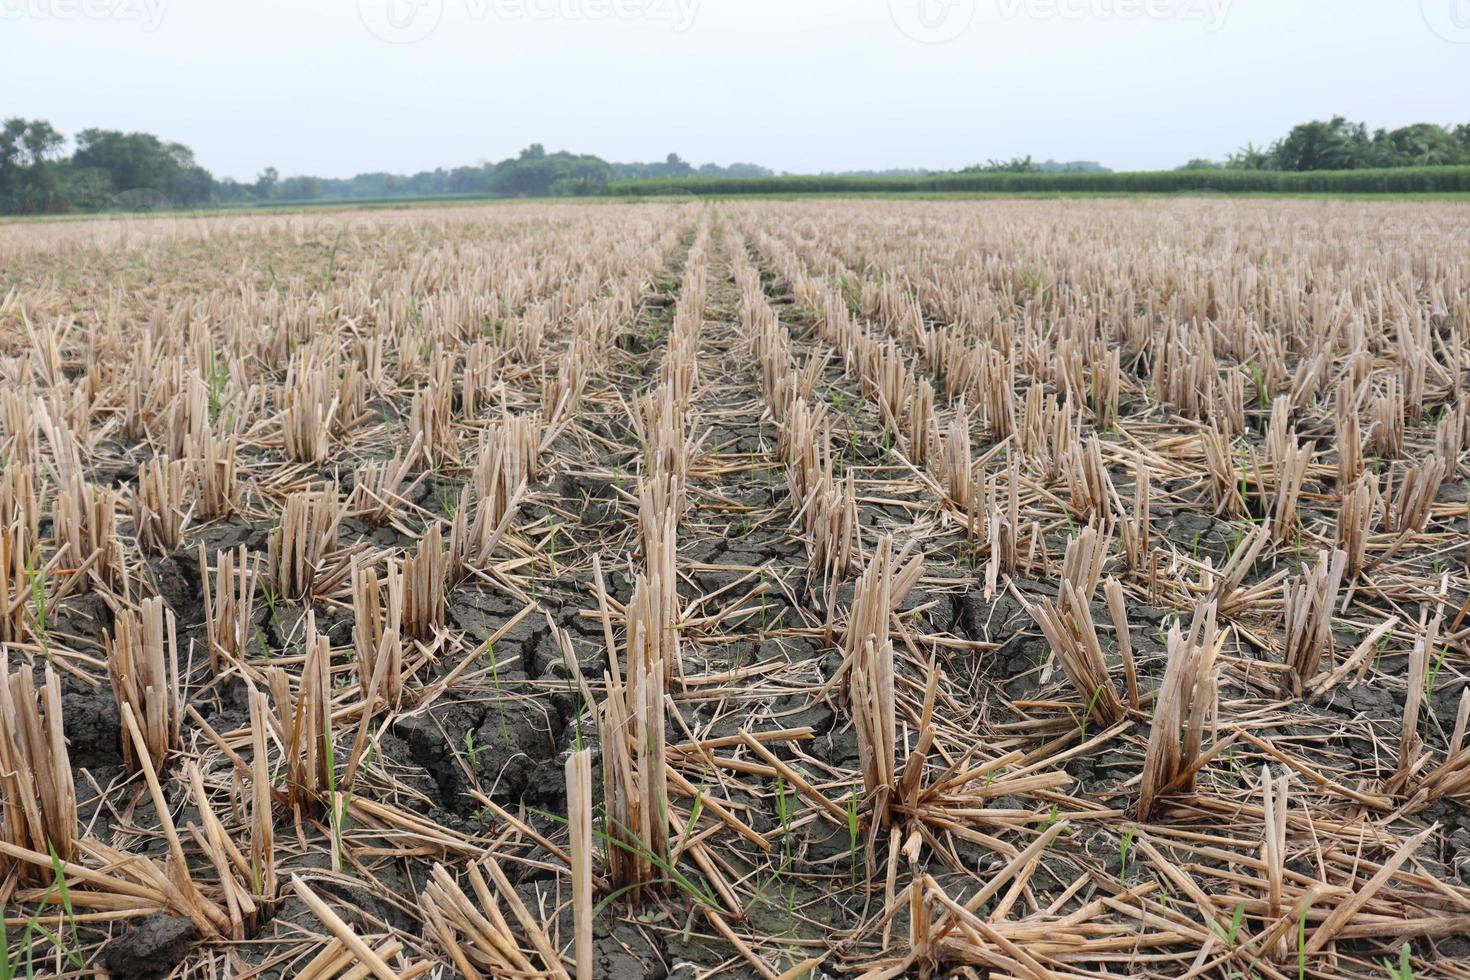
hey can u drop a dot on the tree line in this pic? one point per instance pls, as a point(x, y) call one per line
point(1026, 165)
point(1338, 144)
point(105, 168)
point(532, 173)
point(111, 170)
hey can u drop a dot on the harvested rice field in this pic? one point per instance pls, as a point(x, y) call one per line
point(755, 589)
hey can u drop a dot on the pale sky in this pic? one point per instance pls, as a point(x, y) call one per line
point(310, 86)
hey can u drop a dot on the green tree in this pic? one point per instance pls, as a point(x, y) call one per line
point(536, 173)
point(1250, 157)
point(141, 161)
point(1333, 145)
point(1417, 145)
point(29, 179)
point(299, 188)
point(1015, 165)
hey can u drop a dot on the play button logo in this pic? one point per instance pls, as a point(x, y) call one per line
point(1450, 19)
point(400, 21)
point(932, 21)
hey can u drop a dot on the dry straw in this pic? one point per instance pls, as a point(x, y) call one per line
point(473, 931)
point(310, 407)
point(1003, 524)
point(1185, 708)
point(1225, 482)
point(423, 576)
point(143, 665)
point(1355, 522)
point(85, 522)
point(16, 582)
point(377, 633)
point(159, 510)
point(869, 669)
point(1411, 757)
point(431, 426)
point(1273, 850)
point(215, 475)
point(920, 427)
point(304, 558)
point(380, 486)
point(40, 805)
point(1387, 421)
point(1414, 500)
point(958, 474)
point(884, 585)
point(1135, 536)
point(1291, 474)
point(303, 724)
point(1230, 593)
point(635, 775)
point(229, 604)
point(1451, 778)
point(971, 380)
point(1069, 629)
point(579, 836)
point(1307, 607)
point(1088, 481)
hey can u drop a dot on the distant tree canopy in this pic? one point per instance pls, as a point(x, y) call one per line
point(141, 161)
point(1338, 144)
point(109, 169)
point(1025, 165)
point(1015, 165)
point(30, 177)
point(533, 172)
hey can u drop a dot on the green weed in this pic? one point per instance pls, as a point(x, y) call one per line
point(1404, 968)
point(1232, 935)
